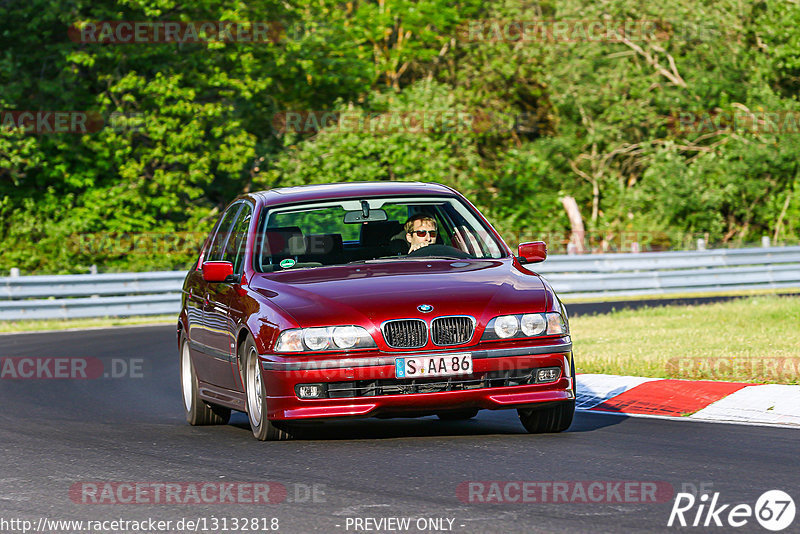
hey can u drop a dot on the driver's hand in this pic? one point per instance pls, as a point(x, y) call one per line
point(417, 246)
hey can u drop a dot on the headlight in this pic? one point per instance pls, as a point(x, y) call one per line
point(346, 336)
point(316, 338)
point(555, 324)
point(506, 326)
point(533, 324)
point(525, 325)
point(290, 341)
point(324, 338)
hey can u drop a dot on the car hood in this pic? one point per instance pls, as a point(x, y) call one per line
point(375, 292)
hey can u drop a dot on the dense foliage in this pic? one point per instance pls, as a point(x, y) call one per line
point(646, 134)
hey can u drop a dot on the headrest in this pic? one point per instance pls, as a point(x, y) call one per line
point(284, 241)
point(324, 244)
point(379, 233)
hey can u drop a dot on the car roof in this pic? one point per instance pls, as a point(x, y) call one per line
point(305, 193)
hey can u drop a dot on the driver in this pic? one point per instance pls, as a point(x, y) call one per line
point(420, 231)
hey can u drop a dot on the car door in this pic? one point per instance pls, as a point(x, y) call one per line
point(222, 296)
point(213, 364)
point(195, 290)
point(235, 301)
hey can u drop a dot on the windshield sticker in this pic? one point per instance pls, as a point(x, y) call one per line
point(288, 262)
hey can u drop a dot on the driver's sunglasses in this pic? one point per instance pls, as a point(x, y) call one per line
point(423, 233)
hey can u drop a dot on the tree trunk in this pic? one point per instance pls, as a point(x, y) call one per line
point(576, 223)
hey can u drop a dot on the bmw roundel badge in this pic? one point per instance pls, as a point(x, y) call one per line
point(424, 308)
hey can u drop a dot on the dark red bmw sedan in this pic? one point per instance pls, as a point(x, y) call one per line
point(390, 299)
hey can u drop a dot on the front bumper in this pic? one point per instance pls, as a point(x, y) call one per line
point(372, 376)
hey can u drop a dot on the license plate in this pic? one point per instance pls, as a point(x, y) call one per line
point(425, 366)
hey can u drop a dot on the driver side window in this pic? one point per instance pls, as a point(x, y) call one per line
point(217, 248)
point(235, 250)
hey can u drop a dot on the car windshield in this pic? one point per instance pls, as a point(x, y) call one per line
point(368, 230)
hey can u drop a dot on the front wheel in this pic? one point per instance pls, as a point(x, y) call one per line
point(197, 411)
point(263, 429)
point(552, 418)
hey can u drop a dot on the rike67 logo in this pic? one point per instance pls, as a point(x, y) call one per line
point(774, 510)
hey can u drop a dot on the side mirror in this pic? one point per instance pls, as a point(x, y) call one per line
point(217, 271)
point(532, 252)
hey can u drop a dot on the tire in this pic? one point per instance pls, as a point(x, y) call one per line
point(458, 415)
point(552, 418)
point(197, 411)
point(255, 397)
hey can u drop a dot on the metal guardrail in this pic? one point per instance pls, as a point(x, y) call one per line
point(573, 277)
point(98, 295)
point(654, 273)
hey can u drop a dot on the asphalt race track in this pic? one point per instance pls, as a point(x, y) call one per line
point(57, 435)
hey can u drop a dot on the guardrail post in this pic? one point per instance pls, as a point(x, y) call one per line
point(701, 244)
point(765, 241)
point(93, 269)
point(14, 272)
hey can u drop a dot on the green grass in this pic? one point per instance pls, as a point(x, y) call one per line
point(755, 339)
point(687, 295)
point(67, 324)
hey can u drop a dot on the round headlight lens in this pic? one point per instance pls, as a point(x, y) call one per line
point(316, 338)
point(533, 324)
point(505, 326)
point(345, 336)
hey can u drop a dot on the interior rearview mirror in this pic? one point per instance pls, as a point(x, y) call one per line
point(353, 217)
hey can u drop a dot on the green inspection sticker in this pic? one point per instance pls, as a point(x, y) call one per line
point(288, 262)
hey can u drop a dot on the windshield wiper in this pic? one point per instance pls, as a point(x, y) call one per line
point(374, 260)
point(414, 258)
point(428, 258)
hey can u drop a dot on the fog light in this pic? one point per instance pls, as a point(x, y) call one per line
point(548, 374)
point(310, 391)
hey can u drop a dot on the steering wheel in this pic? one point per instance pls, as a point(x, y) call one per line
point(439, 250)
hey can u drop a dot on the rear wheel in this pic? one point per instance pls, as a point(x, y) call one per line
point(458, 415)
point(263, 428)
point(197, 411)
